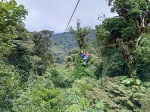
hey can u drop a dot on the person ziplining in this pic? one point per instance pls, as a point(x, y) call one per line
point(86, 57)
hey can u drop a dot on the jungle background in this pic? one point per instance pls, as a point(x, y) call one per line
point(43, 72)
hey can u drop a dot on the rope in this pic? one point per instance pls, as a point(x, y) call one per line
point(71, 17)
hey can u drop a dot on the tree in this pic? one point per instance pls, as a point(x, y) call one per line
point(21, 50)
point(137, 11)
point(10, 15)
point(112, 59)
point(43, 55)
point(80, 34)
point(126, 30)
point(42, 41)
point(9, 86)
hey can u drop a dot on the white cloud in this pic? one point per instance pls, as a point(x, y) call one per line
point(54, 15)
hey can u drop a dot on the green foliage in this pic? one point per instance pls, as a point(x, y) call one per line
point(129, 81)
point(75, 98)
point(145, 100)
point(81, 35)
point(22, 47)
point(81, 70)
point(101, 35)
point(112, 59)
point(37, 100)
point(130, 8)
point(69, 59)
point(84, 103)
point(129, 98)
point(129, 33)
point(115, 26)
point(74, 108)
point(142, 58)
point(114, 53)
point(62, 46)
point(114, 64)
point(39, 95)
point(9, 86)
point(60, 77)
point(133, 22)
point(11, 15)
point(42, 51)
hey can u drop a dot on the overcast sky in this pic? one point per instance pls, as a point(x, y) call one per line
point(54, 15)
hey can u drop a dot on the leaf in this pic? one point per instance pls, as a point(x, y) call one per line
point(85, 103)
point(74, 108)
point(138, 81)
point(73, 97)
point(122, 77)
point(100, 105)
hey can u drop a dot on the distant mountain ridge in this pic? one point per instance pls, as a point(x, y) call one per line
point(68, 42)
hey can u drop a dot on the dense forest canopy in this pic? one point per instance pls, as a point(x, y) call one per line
point(42, 72)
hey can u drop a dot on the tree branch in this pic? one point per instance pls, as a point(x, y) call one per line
point(138, 40)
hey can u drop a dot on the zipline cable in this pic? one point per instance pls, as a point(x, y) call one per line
point(71, 17)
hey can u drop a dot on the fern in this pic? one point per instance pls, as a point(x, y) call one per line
point(74, 108)
point(84, 103)
point(73, 98)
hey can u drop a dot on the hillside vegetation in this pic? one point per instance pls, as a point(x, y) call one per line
point(63, 43)
point(44, 72)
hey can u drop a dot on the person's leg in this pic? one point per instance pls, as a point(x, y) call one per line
point(85, 62)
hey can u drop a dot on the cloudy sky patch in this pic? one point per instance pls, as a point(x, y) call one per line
point(54, 15)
